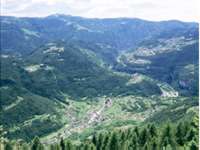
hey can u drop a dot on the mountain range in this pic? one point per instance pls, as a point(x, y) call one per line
point(58, 70)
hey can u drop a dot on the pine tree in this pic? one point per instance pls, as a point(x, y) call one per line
point(36, 144)
point(94, 140)
point(195, 122)
point(144, 136)
point(80, 147)
point(123, 136)
point(41, 147)
point(136, 130)
point(8, 146)
point(100, 142)
point(134, 142)
point(191, 135)
point(165, 142)
point(146, 146)
point(57, 147)
point(114, 143)
point(62, 144)
point(52, 147)
point(86, 147)
point(153, 131)
point(25, 147)
point(154, 144)
point(194, 146)
point(180, 134)
point(92, 146)
point(68, 145)
point(187, 128)
point(168, 137)
point(105, 142)
point(124, 145)
point(18, 145)
point(129, 133)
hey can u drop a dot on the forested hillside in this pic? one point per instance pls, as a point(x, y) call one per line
point(95, 82)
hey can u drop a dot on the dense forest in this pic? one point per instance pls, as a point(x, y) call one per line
point(168, 136)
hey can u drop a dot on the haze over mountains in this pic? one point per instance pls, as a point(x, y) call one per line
point(57, 70)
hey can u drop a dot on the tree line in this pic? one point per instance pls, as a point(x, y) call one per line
point(183, 136)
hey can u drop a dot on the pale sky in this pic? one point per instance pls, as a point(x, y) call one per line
point(185, 10)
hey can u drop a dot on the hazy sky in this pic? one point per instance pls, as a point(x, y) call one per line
point(186, 10)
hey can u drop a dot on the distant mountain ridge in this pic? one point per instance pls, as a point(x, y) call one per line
point(27, 34)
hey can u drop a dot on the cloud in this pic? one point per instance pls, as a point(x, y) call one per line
point(146, 9)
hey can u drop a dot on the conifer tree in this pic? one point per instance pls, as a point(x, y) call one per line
point(144, 136)
point(57, 147)
point(154, 144)
point(100, 142)
point(36, 144)
point(25, 147)
point(86, 146)
point(105, 142)
point(124, 145)
point(146, 146)
point(167, 136)
point(180, 134)
point(194, 146)
point(165, 142)
point(94, 140)
point(187, 128)
point(69, 145)
point(52, 147)
point(8, 146)
point(153, 131)
point(195, 122)
point(129, 133)
point(92, 146)
point(136, 130)
point(134, 142)
point(114, 145)
point(123, 136)
point(62, 144)
point(80, 147)
point(191, 135)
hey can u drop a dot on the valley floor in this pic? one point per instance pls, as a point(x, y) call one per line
point(86, 118)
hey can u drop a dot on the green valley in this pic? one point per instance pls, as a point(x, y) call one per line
point(73, 83)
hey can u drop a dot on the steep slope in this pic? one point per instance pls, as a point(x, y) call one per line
point(22, 110)
point(171, 58)
point(78, 72)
